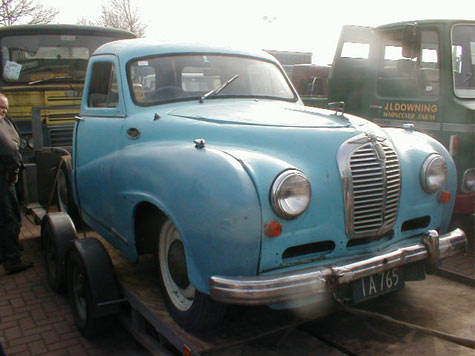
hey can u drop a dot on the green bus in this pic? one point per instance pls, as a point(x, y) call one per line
point(43, 69)
point(420, 73)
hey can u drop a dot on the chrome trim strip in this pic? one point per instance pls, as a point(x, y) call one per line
point(289, 286)
point(433, 126)
point(109, 228)
point(459, 127)
point(119, 236)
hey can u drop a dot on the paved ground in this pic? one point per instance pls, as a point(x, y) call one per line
point(36, 321)
point(462, 267)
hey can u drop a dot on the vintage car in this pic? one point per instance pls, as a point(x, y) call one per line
point(207, 158)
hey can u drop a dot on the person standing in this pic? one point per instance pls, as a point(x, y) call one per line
point(10, 217)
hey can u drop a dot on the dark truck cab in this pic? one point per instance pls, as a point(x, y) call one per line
point(419, 73)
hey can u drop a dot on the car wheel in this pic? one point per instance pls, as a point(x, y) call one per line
point(192, 309)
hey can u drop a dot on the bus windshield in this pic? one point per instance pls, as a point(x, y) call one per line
point(463, 60)
point(33, 59)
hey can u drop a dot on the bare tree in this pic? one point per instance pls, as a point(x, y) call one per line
point(121, 14)
point(86, 22)
point(26, 12)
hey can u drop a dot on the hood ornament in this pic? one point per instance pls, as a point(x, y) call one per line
point(376, 143)
point(338, 106)
point(378, 148)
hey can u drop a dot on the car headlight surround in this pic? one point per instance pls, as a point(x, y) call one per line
point(468, 181)
point(290, 194)
point(433, 173)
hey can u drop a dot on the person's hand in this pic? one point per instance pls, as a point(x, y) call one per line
point(13, 178)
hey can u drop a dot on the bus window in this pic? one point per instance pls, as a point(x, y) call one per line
point(36, 59)
point(463, 60)
point(409, 77)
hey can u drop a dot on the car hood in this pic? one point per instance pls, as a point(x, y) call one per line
point(263, 113)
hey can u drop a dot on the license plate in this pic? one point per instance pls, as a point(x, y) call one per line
point(377, 284)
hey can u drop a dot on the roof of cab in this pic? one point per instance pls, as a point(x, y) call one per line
point(64, 29)
point(140, 48)
point(424, 22)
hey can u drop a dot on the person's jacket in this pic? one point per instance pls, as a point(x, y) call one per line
point(10, 156)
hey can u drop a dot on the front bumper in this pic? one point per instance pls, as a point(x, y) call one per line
point(294, 285)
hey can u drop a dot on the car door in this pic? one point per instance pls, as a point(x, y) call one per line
point(97, 139)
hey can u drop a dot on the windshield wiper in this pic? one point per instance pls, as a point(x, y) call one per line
point(219, 89)
point(48, 79)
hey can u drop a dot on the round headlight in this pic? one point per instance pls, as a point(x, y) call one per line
point(468, 181)
point(30, 143)
point(290, 195)
point(433, 173)
point(23, 143)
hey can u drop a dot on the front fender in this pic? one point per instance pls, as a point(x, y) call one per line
point(207, 194)
point(413, 148)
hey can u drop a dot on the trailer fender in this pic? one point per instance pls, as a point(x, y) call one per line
point(88, 259)
point(57, 231)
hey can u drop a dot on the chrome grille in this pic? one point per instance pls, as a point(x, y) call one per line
point(372, 179)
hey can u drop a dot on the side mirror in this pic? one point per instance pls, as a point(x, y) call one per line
point(411, 41)
point(338, 106)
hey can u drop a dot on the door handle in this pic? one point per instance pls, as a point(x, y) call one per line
point(133, 133)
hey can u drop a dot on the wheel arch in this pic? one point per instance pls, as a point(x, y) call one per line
point(147, 218)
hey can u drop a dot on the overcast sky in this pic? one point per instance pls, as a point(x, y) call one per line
point(293, 25)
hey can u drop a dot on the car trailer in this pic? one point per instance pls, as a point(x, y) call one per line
point(103, 286)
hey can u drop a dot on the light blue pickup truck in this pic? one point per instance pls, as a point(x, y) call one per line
point(207, 158)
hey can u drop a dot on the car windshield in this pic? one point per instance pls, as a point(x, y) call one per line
point(463, 60)
point(197, 77)
point(34, 59)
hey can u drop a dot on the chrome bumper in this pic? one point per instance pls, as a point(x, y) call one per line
point(289, 286)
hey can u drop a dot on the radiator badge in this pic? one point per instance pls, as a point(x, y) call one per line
point(378, 149)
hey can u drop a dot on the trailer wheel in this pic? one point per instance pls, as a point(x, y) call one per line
point(92, 287)
point(65, 194)
point(57, 231)
point(192, 309)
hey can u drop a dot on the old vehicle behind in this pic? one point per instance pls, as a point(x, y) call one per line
point(206, 158)
point(310, 81)
point(43, 71)
point(418, 72)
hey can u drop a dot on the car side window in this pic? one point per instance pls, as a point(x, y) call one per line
point(103, 90)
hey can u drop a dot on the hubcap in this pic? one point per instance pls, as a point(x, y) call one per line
point(79, 289)
point(173, 268)
point(177, 264)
